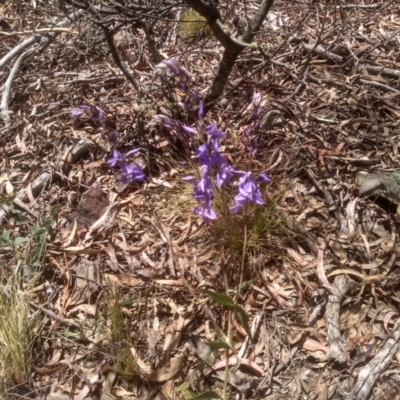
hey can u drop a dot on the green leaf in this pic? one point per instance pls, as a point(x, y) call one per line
point(20, 240)
point(241, 316)
point(220, 298)
point(214, 346)
point(38, 231)
point(245, 285)
point(5, 237)
point(201, 365)
point(20, 218)
point(207, 395)
point(189, 395)
point(183, 386)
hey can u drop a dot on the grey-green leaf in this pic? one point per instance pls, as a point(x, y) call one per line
point(220, 298)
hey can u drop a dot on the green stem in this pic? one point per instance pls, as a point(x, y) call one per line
point(230, 313)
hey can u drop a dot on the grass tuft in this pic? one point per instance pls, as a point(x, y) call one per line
point(17, 333)
point(265, 226)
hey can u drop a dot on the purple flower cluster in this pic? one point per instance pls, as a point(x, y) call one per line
point(214, 171)
point(250, 133)
point(131, 171)
point(214, 167)
point(191, 101)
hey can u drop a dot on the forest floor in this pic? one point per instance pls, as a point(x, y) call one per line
point(119, 291)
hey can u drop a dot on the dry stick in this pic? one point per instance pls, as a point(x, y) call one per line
point(368, 375)
point(269, 58)
point(319, 49)
point(116, 58)
point(35, 31)
point(54, 316)
point(157, 57)
point(36, 38)
point(4, 109)
point(372, 69)
point(339, 288)
point(380, 85)
point(17, 50)
point(45, 41)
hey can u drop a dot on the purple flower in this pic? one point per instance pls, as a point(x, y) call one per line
point(119, 159)
point(202, 154)
point(208, 214)
point(256, 99)
point(97, 114)
point(224, 175)
point(188, 129)
point(116, 159)
point(185, 104)
point(165, 121)
point(213, 133)
point(113, 137)
point(196, 96)
point(200, 111)
point(131, 172)
point(171, 66)
point(264, 178)
point(204, 188)
point(217, 158)
point(256, 105)
point(188, 178)
point(248, 191)
point(78, 111)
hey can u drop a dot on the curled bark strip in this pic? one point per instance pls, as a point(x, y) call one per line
point(368, 375)
point(71, 156)
point(320, 264)
point(340, 286)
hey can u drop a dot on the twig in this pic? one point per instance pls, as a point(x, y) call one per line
point(339, 288)
point(115, 57)
point(380, 85)
point(54, 316)
point(35, 31)
point(319, 49)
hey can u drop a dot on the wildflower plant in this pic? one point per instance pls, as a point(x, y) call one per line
point(130, 170)
point(215, 171)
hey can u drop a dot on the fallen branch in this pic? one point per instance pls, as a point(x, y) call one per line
point(368, 375)
point(36, 38)
point(44, 42)
point(4, 108)
point(339, 288)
